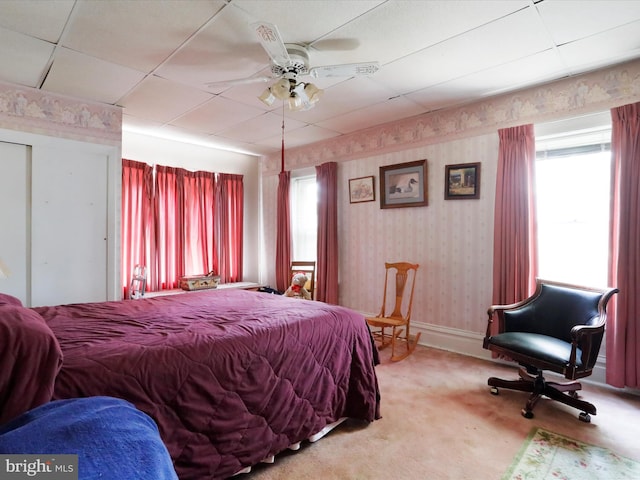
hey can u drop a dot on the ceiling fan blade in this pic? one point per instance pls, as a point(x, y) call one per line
point(335, 44)
point(238, 81)
point(345, 70)
point(271, 41)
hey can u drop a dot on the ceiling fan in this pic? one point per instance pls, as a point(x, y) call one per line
point(290, 61)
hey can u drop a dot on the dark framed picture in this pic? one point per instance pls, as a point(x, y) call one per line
point(361, 190)
point(404, 185)
point(462, 181)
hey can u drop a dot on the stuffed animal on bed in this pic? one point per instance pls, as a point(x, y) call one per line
point(296, 289)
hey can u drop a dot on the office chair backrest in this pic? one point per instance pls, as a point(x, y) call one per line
point(555, 311)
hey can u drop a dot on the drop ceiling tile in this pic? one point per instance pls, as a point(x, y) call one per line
point(300, 136)
point(27, 58)
point(189, 136)
point(217, 114)
point(43, 20)
point(303, 21)
point(137, 34)
point(474, 51)
point(566, 23)
point(225, 49)
point(384, 112)
point(80, 75)
point(264, 126)
point(613, 46)
point(160, 100)
point(240, 147)
point(398, 28)
point(132, 123)
point(534, 69)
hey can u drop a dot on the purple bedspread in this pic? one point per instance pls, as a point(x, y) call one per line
point(230, 376)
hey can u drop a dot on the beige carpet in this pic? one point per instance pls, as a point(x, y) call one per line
point(439, 421)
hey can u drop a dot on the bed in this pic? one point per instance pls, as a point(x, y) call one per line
point(231, 377)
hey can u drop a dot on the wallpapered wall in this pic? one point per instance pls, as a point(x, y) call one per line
point(452, 240)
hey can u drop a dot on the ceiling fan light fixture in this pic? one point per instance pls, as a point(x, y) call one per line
point(267, 97)
point(295, 103)
point(313, 93)
point(281, 89)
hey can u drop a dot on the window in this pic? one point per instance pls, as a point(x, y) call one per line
point(304, 218)
point(572, 200)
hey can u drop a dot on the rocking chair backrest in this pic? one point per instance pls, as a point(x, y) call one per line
point(402, 276)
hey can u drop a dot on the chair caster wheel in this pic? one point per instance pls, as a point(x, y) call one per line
point(584, 417)
point(527, 413)
point(494, 391)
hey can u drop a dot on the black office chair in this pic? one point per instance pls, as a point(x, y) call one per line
point(560, 329)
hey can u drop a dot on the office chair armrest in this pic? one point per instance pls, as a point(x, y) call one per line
point(500, 309)
point(580, 331)
point(588, 338)
point(497, 308)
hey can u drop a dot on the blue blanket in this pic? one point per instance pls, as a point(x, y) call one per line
point(113, 439)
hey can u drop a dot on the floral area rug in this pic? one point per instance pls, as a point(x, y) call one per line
point(546, 455)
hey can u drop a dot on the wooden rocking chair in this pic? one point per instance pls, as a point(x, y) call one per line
point(405, 276)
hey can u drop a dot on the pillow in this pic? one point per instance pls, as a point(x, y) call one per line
point(6, 299)
point(30, 357)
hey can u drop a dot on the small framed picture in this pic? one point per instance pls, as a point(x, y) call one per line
point(462, 181)
point(361, 190)
point(404, 185)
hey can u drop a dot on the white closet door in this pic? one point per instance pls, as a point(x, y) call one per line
point(14, 218)
point(69, 226)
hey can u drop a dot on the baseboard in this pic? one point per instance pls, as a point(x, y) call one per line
point(451, 339)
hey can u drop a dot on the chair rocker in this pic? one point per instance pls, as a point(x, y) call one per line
point(400, 337)
point(559, 329)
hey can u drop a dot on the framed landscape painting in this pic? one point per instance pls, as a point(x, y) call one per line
point(462, 181)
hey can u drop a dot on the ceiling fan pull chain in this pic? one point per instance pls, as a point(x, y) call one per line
point(282, 151)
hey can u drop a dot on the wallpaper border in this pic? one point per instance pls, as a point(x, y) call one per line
point(31, 110)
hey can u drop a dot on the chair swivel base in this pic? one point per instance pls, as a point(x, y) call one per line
point(562, 392)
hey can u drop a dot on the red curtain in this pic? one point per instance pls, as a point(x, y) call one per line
point(169, 219)
point(283, 233)
point(137, 219)
point(180, 224)
point(623, 324)
point(229, 216)
point(199, 232)
point(327, 258)
point(514, 233)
